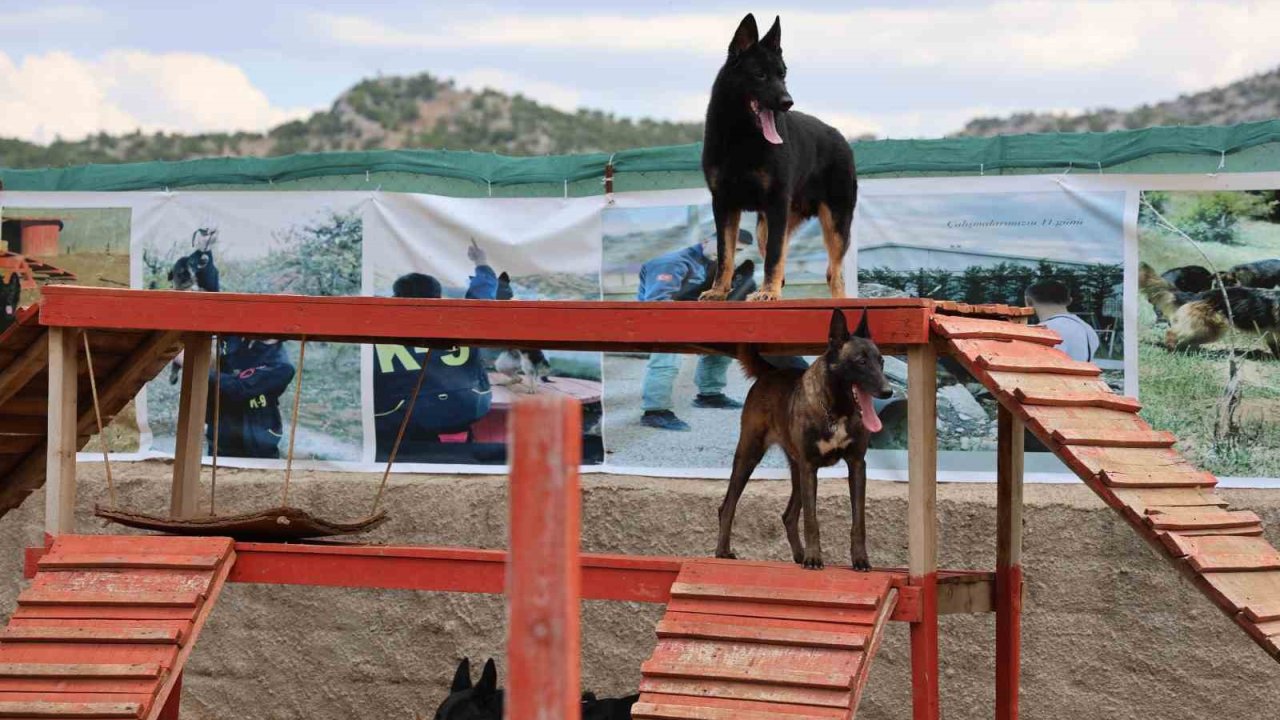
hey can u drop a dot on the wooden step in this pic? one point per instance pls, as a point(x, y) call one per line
point(1256, 594)
point(1223, 553)
point(1115, 438)
point(1045, 384)
point(35, 596)
point(779, 595)
point(137, 671)
point(1197, 519)
point(710, 630)
point(956, 328)
point(68, 561)
point(106, 635)
point(1188, 477)
point(714, 706)
point(1022, 357)
point(1140, 499)
point(740, 608)
point(1105, 400)
point(770, 676)
point(52, 709)
point(654, 711)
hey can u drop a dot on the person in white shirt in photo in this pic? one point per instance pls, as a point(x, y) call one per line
point(1050, 299)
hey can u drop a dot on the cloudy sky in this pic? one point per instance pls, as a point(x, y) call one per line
point(897, 68)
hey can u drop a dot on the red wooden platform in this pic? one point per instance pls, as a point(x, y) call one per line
point(107, 625)
point(762, 640)
point(797, 327)
point(1133, 468)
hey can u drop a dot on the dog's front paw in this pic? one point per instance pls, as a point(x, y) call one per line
point(764, 296)
point(861, 564)
point(726, 555)
point(812, 560)
point(713, 295)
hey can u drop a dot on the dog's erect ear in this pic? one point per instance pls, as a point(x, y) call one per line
point(863, 330)
point(504, 277)
point(839, 332)
point(772, 40)
point(461, 676)
point(488, 684)
point(746, 36)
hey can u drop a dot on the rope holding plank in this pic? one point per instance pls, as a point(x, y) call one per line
point(97, 414)
point(293, 425)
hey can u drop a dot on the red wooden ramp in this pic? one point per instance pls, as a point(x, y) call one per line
point(107, 625)
point(764, 641)
point(122, 361)
point(1131, 466)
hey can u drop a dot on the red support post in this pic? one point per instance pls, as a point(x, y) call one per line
point(922, 526)
point(173, 702)
point(1008, 563)
point(544, 580)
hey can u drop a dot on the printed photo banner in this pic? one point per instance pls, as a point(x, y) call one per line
point(969, 239)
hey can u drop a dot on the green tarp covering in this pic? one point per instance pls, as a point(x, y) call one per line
point(1246, 147)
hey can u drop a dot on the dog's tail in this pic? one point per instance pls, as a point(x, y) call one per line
point(753, 363)
point(1160, 292)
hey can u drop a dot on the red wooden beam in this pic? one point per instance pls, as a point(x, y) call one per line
point(794, 326)
point(543, 580)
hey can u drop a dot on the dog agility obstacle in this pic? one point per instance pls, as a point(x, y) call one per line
point(107, 624)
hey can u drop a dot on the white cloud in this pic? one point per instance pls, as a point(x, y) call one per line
point(45, 15)
point(57, 94)
point(561, 97)
point(1194, 43)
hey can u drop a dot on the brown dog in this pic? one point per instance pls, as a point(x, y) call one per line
point(818, 416)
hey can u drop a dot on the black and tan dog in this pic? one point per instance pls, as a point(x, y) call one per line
point(485, 700)
point(1197, 319)
point(787, 166)
point(1258, 274)
point(818, 416)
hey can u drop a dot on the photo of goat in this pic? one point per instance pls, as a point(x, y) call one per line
point(194, 272)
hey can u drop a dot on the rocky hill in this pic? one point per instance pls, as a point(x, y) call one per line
point(384, 113)
point(1248, 100)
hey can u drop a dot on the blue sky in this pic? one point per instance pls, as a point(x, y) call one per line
point(900, 69)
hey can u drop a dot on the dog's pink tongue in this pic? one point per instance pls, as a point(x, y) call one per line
point(768, 127)
point(870, 420)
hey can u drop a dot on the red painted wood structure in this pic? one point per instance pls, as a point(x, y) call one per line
point(107, 624)
point(718, 648)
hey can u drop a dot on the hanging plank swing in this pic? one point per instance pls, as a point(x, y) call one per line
point(279, 524)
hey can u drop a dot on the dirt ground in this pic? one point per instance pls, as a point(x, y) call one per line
point(1110, 630)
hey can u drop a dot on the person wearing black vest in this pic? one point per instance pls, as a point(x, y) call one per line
point(254, 373)
point(455, 392)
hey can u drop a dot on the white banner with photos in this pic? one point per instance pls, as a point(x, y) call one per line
point(973, 239)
